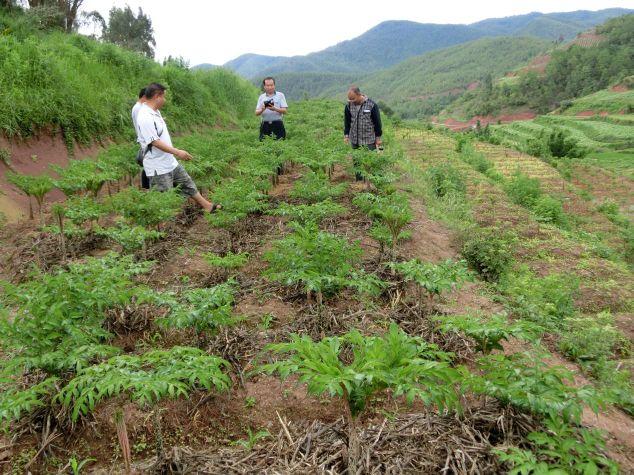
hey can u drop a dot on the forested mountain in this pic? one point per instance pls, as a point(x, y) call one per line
point(391, 42)
point(572, 71)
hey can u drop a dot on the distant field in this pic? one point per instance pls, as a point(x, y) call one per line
point(620, 162)
point(597, 134)
point(603, 101)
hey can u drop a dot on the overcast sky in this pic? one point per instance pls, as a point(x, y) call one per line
point(216, 31)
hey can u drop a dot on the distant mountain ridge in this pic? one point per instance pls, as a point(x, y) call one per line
point(391, 42)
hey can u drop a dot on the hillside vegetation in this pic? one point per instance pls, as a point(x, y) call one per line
point(391, 42)
point(86, 88)
point(572, 72)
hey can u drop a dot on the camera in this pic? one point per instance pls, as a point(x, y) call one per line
point(268, 103)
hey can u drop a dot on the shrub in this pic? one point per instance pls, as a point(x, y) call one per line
point(204, 309)
point(318, 261)
point(590, 338)
point(32, 186)
point(560, 448)
point(488, 333)
point(80, 209)
point(525, 381)
point(522, 190)
point(409, 366)
point(146, 208)
point(488, 254)
point(547, 301)
point(560, 144)
point(315, 212)
point(392, 211)
point(549, 210)
point(434, 278)
point(130, 238)
point(444, 180)
point(314, 187)
point(57, 319)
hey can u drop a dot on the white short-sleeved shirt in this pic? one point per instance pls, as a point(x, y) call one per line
point(151, 127)
point(278, 101)
point(135, 112)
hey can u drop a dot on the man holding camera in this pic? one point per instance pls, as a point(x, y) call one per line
point(271, 106)
point(362, 121)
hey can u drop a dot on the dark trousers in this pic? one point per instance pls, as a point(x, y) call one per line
point(145, 181)
point(371, 147)
point(275, 128)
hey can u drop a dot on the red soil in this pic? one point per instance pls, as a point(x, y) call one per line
point(484, 120)
point(619, 88)
point(33, 157)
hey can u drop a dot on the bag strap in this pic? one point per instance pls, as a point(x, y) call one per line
point(149, 146)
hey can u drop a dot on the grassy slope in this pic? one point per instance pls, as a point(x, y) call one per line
point(87, 88)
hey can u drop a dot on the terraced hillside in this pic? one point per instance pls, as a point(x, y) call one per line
point(414, 320)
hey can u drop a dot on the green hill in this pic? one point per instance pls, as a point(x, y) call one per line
point(391, 42)
point(86, 88)
point(573, 70)
point(421, 85)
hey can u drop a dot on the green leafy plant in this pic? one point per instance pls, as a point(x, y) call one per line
point(15, 401)
point(130, 238)
point(434, 278)
point(547, 301)
point(82, 176)
point(146, 208)
point(77, 466)
point(559, 448)
point(318, 261)
point(204, 309)
point(490, 332)
point(252, 439)
point(409, 366)
point(444, 179)
point(373, 167)
point(315, 187)
point(147, 378)
point(523, 191)
point(32, 186)
point(550, 210)
point(80, 209)
point(228, 261)
point(56, 320)
point(528, 383)
point(588, 339)
point(488, 254)
point(315, 212)
point(392, 211)
point(239, 198)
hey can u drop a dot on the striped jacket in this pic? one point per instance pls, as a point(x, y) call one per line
point(362, 122)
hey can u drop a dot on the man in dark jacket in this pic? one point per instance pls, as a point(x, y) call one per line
point(362, 121)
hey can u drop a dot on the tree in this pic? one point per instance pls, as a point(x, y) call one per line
point(68, 9)
point(130, 31)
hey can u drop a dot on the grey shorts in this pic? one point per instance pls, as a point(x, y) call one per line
point(177, 177)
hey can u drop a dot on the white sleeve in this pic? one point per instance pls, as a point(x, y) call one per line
point(260, 103)
point(283, 100)
point(147, 130)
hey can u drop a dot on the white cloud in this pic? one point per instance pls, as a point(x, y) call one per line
point(215, 32)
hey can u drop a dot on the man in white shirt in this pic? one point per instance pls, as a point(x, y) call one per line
point(159, 161)
point(145, 182)
point(271, 106)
